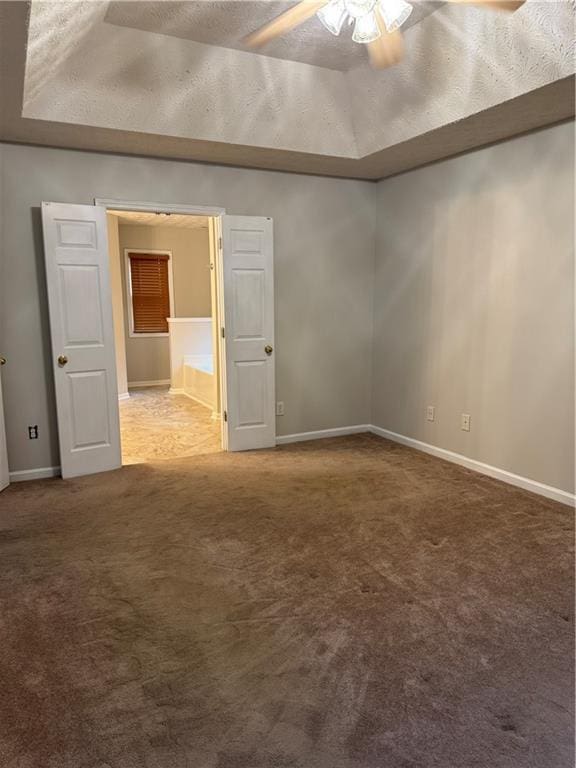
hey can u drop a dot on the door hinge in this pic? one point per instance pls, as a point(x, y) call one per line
point(225, 415)
point(220, 243)
point(222, 332)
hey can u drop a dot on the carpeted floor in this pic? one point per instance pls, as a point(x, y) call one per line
point(157, 425)
point(347, 603)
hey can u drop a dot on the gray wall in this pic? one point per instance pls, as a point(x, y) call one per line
point(474, 305)
point(473, 292)
point(324, 252)
point(148, 358)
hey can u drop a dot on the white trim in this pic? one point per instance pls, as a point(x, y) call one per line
point(189, 320)
point(124, 396)
point(138, 205)
point(548, 491)
point(173, 391)
point(556, 494)
point(151, 383)
point(217, 257)
point(34, 474)
point(320, 434)
point(130, 305)
point(196, 399)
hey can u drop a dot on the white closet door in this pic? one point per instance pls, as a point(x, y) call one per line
point(4, 473)
point(77, 274)
point(248, 271)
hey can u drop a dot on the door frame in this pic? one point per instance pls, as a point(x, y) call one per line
point(215, 213)
point(4, 464)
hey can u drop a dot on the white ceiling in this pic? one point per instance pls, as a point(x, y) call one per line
point(149, 219)
point(225, 23)
point(70, 78)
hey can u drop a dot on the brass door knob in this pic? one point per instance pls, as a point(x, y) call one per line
point(268, 349)
point(62, 360)
point(3, 361)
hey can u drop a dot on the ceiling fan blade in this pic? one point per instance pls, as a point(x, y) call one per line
point(388, 49)
point(494, 5)
point(291, 18)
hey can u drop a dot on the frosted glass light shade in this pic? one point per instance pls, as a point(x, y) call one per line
point(357, 8)
point(394, 13)
point(366, 29)
point(333, 16)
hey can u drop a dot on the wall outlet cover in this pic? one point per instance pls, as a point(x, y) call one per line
point(280, 408)
point(430, 413)
point(466, 422)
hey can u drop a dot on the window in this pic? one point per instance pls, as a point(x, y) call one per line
point(149, 286)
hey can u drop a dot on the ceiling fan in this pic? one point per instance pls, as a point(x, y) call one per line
point(376, 23)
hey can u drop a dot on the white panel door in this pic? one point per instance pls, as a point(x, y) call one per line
point(248, 271)
point(4, 473)
point(77, 274)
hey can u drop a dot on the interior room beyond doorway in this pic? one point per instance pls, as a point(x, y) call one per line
point(164, 307)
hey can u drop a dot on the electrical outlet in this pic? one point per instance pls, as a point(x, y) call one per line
point(465, 424)
point(430, 412)
point(280, 408)
point(33, 432)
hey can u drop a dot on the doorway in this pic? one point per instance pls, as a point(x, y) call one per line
point(83, 333)
point(165, 310)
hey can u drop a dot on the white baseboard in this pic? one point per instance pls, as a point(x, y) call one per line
point(124, 396)
point(34, 474)
point(556, 494)
point(142, 384)
point(320, 434)
point(197, 399)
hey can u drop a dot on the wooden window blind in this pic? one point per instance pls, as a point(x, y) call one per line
point(150, 292)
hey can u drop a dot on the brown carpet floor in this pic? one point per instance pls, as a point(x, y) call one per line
point(347, 603)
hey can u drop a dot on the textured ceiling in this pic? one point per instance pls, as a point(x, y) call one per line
point(470, 78)
point(148, 219)
point(225, 23)
point(459, 61)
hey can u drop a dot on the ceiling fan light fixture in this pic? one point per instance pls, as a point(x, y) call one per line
point(366, 29)
point(357, 8)
point(394, 13)
point(333, 16)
